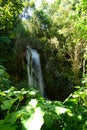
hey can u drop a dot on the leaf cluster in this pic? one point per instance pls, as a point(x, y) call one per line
point(27, 110)
point(9, 11)
point(4, 79)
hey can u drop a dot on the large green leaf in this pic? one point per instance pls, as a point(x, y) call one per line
point(34, 122)
point(48, 120)
point(12, 117)
point(4, 126)
point(7, 104)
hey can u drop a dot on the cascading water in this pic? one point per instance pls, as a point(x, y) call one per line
point(34, 72)
point(29, 67)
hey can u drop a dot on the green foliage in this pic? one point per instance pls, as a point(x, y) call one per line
point(4, 79)
point(9, 11)
point(35, 110)
point(84, 80)
point(58, 31)
point(9, 16)
point(27, 110)
point(78, 106)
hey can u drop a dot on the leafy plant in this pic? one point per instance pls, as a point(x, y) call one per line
point(27, 110)
point(4, 79)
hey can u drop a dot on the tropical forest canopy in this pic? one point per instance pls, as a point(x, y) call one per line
point(58, 31)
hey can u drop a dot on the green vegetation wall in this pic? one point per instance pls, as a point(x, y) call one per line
point(9, 17)
point(57, 31)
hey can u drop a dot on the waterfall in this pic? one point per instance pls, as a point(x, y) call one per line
point(34, 72)
point(29, 67)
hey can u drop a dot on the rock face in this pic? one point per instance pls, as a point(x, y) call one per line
point(60, 94)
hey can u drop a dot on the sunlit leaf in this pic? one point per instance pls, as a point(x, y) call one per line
point(60, 110)
point(35, 121)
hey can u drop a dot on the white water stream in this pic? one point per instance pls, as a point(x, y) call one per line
point(34, 72)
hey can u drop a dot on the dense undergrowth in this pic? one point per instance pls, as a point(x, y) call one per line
point(27, 110)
